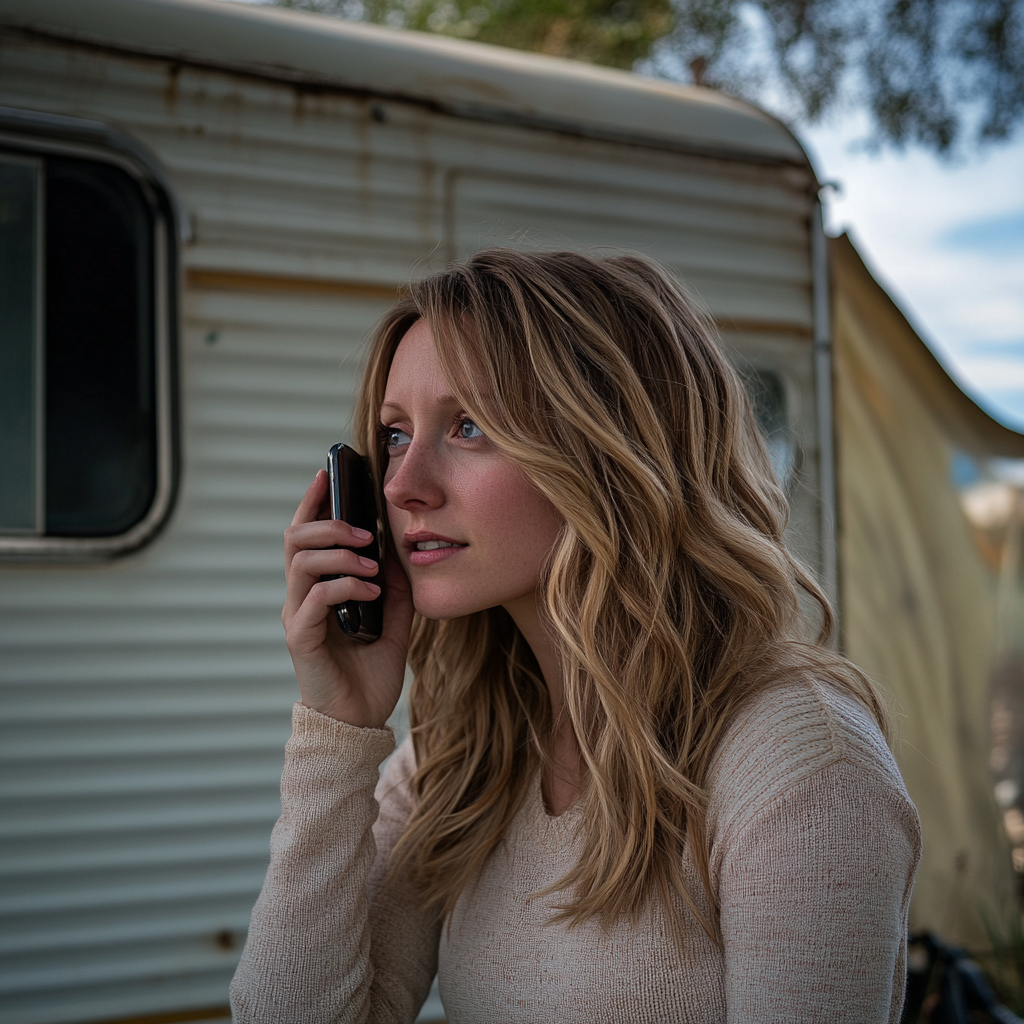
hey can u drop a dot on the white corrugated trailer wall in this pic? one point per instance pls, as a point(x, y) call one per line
point(146, 701)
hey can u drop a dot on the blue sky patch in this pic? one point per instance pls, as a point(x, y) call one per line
point(1009, 348)
point(1002, 234)
point(963, 470)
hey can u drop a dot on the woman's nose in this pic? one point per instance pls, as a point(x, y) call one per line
point(417, 481)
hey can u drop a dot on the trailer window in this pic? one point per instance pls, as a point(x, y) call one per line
point(768, 395)
point(78, 337)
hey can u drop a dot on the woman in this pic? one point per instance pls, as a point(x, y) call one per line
point(635, 790)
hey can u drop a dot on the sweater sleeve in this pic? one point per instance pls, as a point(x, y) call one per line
point(814, 877)
point(327, 941)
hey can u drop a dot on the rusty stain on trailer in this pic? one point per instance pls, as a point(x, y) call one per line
point(231, 280)
point(299, 104)
point(364, 160)
point(171, 88)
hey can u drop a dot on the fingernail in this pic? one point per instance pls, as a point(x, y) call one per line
point(367, 563)
point(374, 587)
point(361, 534)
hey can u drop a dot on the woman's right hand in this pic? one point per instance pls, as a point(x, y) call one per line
point(340, 677)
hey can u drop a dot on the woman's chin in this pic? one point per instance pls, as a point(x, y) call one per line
point(434, 599)
point(442, 606)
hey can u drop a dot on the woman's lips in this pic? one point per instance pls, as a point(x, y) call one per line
point(435, 554)
point(427, 548)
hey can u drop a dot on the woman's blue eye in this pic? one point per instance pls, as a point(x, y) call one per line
point(468, 430)
point(397, 438)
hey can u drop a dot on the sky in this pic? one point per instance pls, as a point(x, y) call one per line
point(946, 241)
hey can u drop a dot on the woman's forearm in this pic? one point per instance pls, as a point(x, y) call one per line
point(309, 957)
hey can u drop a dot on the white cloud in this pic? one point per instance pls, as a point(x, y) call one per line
point(899, 208)
point(993, 375)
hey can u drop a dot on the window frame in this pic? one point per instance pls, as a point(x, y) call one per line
point(31, 134)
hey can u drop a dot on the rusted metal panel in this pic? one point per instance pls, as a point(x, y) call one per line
point(146, 700)
point(477, 82)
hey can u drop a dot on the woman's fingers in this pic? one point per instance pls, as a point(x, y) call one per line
point(337, 676)
point(314, 497)
point(307, 566)
point(305, 587)
point(317, 547)
point(309, 514)
point(333, 561)
point(305, 624)
point(323, 533)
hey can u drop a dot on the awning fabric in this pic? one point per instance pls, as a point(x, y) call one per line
point(919, 590)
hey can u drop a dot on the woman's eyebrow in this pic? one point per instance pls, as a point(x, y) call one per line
point(443, 400)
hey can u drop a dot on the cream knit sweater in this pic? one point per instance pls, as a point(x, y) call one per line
point(814, 844)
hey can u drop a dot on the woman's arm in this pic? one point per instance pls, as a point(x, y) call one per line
point(316, 951)
point(814, 892)
point(326, 942)
point(321, 947)
point(815, 844)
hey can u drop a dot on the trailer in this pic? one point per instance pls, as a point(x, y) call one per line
point(204, 207)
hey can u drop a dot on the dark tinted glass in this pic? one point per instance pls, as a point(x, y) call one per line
point(768, 395)
point(100, 387)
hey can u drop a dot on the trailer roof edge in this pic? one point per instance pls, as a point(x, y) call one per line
point(464, 79)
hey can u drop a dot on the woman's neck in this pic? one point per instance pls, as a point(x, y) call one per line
point(560, 782)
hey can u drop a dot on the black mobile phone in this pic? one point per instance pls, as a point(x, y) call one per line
point(353, 500)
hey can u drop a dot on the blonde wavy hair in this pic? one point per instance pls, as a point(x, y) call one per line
point(670, 595)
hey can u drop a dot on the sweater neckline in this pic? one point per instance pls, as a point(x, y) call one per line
point(566, 822)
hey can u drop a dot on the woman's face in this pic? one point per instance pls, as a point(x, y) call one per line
point(471, 531)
